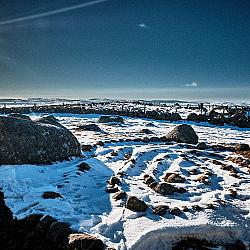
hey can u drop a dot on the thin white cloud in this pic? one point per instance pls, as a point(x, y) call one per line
point(50, 13)
point(143, 26)
point(192, 84)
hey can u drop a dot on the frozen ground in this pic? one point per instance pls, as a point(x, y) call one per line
point(88, 208)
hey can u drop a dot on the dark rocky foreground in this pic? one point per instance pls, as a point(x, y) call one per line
point(38, 232)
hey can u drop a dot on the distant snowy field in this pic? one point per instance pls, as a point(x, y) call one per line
point(88, 208)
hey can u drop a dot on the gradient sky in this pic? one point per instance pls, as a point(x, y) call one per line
point(151, 49)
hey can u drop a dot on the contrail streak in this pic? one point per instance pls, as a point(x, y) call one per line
point(52, 12)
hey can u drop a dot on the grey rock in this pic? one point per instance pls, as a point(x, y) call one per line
point(183, 133)
point(25, 141)
point(165, 188)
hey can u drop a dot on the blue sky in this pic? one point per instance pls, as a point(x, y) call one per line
point(179, 49)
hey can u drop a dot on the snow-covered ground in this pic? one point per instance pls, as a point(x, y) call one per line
point(89, 208)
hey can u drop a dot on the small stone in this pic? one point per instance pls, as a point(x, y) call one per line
point(89, 127)
point(100, 143)
point(181, 190)
point(114, 153)
point(127, 156)
point(160, 210)
point(201, 146)
point(136, 205)
point(84, 241)
point(165, 188)
point(112, 189)
point(132, 161)
point(175, 211)
point(51, 195)
point(108, 119)
point(114, 180)
point(86, 147)
point(153, 185)
point(233, 192)
point(83, 166)
point(149, 180)
point(193, 171)
point(145, 139)
point(210, 206)
point(202, 178)
point(174, 178)
point(197, 208)
point(208, 172)
point(120, 195)
point(185, 209)
point(146, 131)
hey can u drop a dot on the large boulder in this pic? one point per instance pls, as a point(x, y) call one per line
point(183, 133)
point(35, 142)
